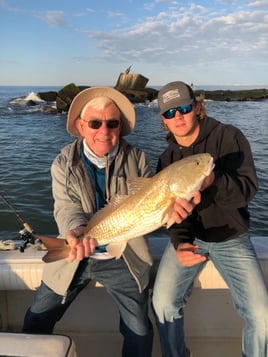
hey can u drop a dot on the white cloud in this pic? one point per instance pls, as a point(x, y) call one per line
point(171, 2)
point(115, 14)
point(53, 18)
point(187, 37)
point(220, 40)
point(259, 3)
point(90, 10)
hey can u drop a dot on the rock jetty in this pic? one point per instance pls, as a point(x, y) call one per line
point(234, 95)
point(134, 87)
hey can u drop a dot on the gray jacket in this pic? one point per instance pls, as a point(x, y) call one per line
point(75, 204)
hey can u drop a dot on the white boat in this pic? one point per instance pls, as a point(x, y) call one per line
point(212, 326)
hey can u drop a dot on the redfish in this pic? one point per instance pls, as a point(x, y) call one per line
point(147, 207)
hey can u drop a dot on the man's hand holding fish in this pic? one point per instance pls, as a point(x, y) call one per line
point(182, 208)
point(80, 247)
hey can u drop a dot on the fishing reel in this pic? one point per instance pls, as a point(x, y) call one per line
point(26, 233)
point(27, 237)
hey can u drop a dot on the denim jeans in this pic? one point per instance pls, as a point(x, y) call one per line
point(236, 262)
point(135, 326)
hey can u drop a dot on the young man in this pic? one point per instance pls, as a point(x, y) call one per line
point(217, 229)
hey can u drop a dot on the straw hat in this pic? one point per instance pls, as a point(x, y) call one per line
point(126, 108)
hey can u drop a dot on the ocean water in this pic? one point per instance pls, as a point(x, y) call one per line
point(30, 139)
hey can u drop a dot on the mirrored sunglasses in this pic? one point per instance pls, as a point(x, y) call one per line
point(184, 109)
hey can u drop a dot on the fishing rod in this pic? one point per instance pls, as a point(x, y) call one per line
point(26, 233)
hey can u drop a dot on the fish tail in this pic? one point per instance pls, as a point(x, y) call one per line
point(57, 249)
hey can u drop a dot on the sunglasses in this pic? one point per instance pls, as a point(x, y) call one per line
point(184, 109)
point(97, 123)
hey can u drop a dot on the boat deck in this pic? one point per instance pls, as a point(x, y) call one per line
point(212, 326)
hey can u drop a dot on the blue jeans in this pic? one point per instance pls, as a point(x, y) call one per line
point(236, 262)
point(135, 326)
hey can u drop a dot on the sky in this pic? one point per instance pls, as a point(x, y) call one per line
point(53, 43)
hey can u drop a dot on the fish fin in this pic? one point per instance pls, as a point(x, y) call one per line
point(170, 222)
point(115, 201)
point(136, 183)
point(116, 249)
point(57, 248)
point(167, 220)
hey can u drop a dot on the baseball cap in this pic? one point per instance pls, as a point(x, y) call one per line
point(175, 94)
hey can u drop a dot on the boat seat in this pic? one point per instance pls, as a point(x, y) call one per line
point(20, 344)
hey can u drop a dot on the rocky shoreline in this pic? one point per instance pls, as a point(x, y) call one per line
point(234, 95)
point(64, 97)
